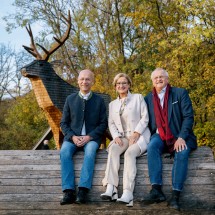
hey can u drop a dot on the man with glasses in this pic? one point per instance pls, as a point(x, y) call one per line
point(83, 123)
point(170, 122)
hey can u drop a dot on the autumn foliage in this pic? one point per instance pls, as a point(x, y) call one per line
point(135, 37)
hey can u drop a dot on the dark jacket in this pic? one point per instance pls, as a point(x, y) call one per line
point(180, 115)
point(77, 110)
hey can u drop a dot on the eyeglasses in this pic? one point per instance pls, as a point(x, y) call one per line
point(159, 77)
point(121, 83)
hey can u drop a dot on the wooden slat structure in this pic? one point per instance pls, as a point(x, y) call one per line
point(30, 183)
point(46, 136)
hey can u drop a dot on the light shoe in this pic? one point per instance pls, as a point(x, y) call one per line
point(126, 198)
point(110, 194)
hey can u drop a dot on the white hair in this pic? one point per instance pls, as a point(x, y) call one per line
point(159, 69)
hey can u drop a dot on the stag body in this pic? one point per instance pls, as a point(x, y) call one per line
point(50, 91)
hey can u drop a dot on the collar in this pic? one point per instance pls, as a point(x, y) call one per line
point(128, 96)
point(163, 90)
point(85, 96)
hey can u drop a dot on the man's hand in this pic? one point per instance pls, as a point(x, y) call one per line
point(80, 141)
point(180, 145)
point(134, 138)
point(118, 141)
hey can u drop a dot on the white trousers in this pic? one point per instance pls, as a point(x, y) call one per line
point(113, 164)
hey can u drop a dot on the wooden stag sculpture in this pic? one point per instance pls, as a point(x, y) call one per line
point(50, 90)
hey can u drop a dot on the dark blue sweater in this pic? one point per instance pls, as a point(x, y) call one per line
point(77, 110)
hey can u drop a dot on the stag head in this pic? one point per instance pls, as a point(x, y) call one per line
point(57, 44)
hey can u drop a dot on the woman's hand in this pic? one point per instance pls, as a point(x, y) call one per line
point(118, 141)
point(134, 138)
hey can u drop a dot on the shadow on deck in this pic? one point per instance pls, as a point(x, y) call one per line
point(30, 183)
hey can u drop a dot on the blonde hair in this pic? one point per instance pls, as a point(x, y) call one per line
point(120, 75)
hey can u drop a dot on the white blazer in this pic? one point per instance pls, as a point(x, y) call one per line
point(137, 119)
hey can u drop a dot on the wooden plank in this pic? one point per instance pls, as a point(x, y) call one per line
point(107, 211)
point(95, 197)
point(98, 189)
point(191, 198)
point(89, 206)
point(52, 157)
point(98, 166)
point(56, 160)
point(53, 154)
point(92, 208)
point(201, 152)
point(97, 180)
point(23, 174)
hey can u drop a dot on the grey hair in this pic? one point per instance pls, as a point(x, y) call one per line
point(160, 69)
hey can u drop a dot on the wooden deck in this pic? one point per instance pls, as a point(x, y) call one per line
point(30, 183)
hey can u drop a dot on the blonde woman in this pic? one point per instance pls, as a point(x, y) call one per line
point(128, 125)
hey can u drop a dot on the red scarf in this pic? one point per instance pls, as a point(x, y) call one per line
point(161, 117)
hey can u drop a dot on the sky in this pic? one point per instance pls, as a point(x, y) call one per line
point(17, 37)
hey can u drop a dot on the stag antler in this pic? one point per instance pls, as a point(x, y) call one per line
point(59, 42)
point(32, 50)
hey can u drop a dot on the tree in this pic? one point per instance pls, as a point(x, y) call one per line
point(6, 63)
point(23, 124)
point(181, 40)
point(12, 84)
